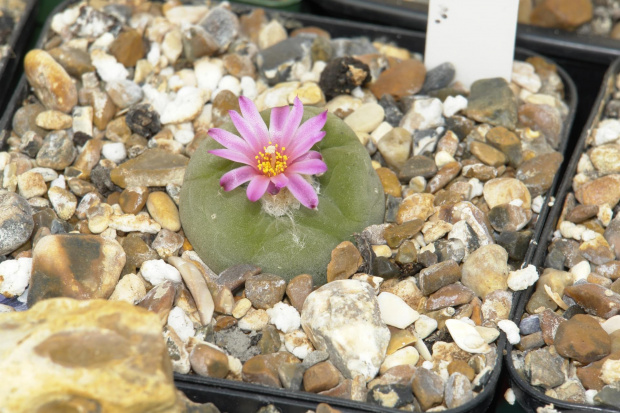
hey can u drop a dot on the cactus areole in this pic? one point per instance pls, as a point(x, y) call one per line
point(310, 186)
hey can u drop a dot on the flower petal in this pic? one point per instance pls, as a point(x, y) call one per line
point(292, 123)
point(303, 145)
point(279, 181)
point(308, 167)
point(230, 140)
point(272, 189)
point(303, 191)
point(309, 155)
point(250, 113)
point(277, 123)
point(246, 131)
point(232, 156)
point(232, 179)
point(257, 187)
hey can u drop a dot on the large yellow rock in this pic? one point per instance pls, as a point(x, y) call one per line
point(50, 82)
point(96, 355)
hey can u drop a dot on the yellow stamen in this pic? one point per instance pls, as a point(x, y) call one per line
point(271, 162)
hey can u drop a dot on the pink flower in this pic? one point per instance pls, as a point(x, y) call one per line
point(274, 158)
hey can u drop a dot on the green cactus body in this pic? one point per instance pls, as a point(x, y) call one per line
point(225, 228)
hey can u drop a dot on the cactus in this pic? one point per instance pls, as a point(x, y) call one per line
point(226, 228)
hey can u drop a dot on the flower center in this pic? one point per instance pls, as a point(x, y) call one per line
point(271, 162)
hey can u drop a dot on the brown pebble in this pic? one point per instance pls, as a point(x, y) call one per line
point(133, 199)
point(320, 377)
point(345, 260)
point(461, 367)
point(298, 289)
point(390, 182)
point(209, 362)
point(583, 339)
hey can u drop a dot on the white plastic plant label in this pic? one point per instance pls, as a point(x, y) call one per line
point(477, 36)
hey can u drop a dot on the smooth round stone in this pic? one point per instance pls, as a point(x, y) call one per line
point(487, 154)
point(604, 190)
point(492, 101)
point(395, 147)
point(366, 118)
point(53, 120)
point(63, 202)
point(298, 289)
point(583, 339)
point(75, 61)
point(500, 191)
point(389, 181)
point(417, 165)
point(265, 290)
point(16, 222)
point(402, 357)
point(154, 167)
point(25, 117)
point(133, 199)
point(57, 151)
point(124, 93)
point(449, 296)
point(403, 79)
point(606, 158)
point(486, 270)
point(128, 47)
point(395, 312)
point(507, 217)
point(51, 83)
point(31, 184)
point(320, 377)
point(84, 266)
point(209, 362)
point(539, 172)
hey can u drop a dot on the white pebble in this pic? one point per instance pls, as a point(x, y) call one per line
point(59, 182)
point(114, 151)
point(230, 83)
point(254, 320)
point(428, 365)
point(48, 174)
point(454, 104)
point(537, 204)
point(380, 131)
point(521, 279)
point(382, 251)
point(570, 230)
point(509, 396)
point(183, 132)
point(158, 271)
point(15, 275)
point(248, 87)
point(298, 343)
point(477, 187)
point(186, 105)
point(607, 131)
point(424, 326)
point(403, 356)
point(511, 330)
point(516, 202)
point(590, 396)
point(396, 312)
point(466, 336)
point(208, 73)
point(610, 372)
point(181, 324)
point(605, 214)
point(580, 270)
point(154, 54)
point(107, 67)
point(589, 235)
point(442, 158)
point(285, 317)
point(612, 324)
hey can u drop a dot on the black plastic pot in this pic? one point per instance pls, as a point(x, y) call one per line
point(527, 395)
point(17, 43)
point(239, 397)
